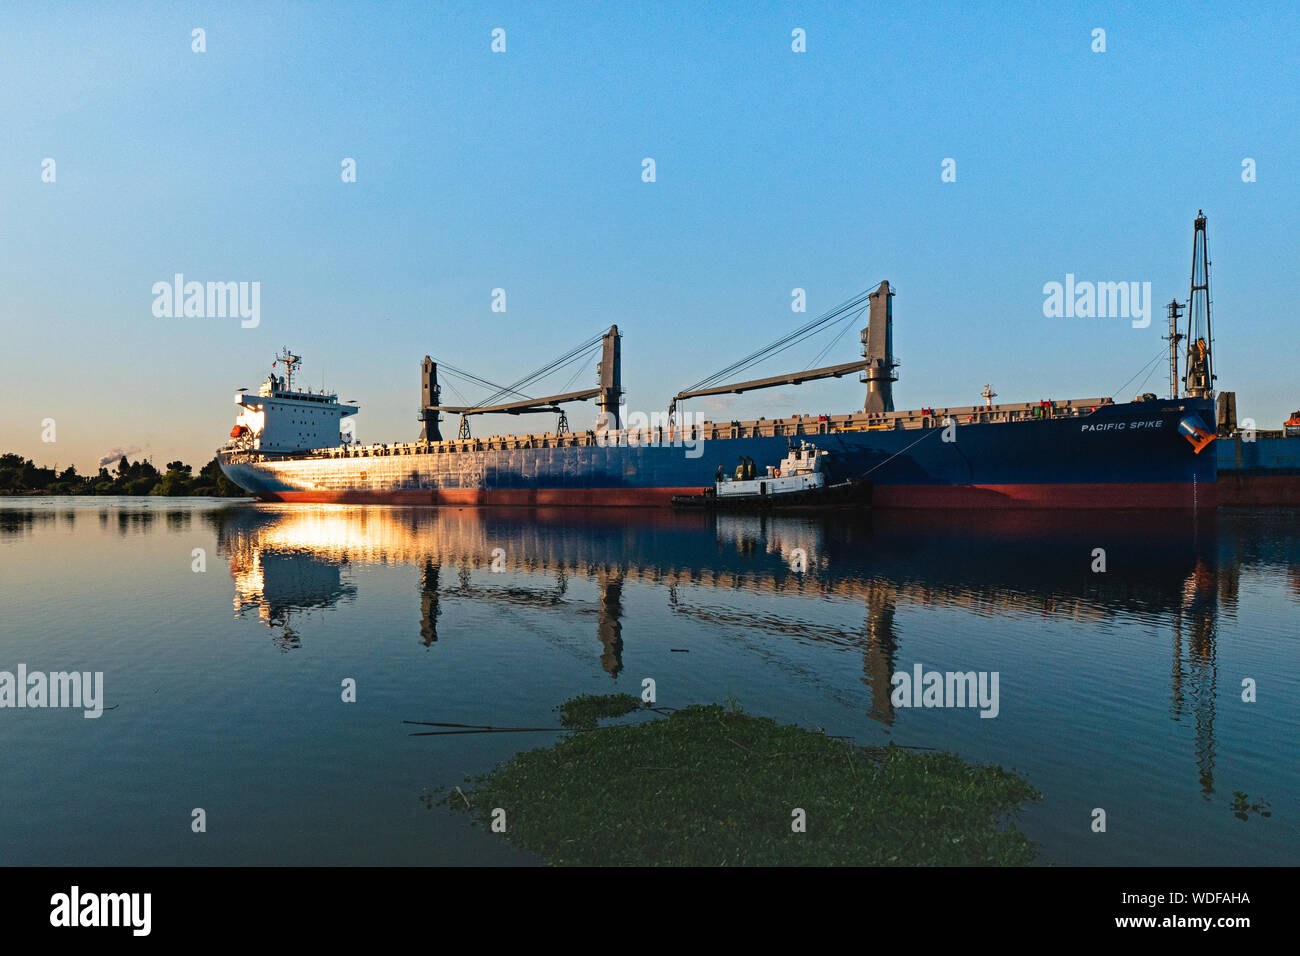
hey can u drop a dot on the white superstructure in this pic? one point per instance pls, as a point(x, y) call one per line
point(800, 470)
point(283, 420)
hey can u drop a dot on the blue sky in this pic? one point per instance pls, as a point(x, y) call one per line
point(522, 170)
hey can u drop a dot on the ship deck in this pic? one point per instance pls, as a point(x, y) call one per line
point(792, 426)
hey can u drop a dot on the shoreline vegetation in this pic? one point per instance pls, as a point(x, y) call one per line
point(21, 476)
point(710, 785)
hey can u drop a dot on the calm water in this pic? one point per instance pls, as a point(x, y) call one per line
point(1120, 690)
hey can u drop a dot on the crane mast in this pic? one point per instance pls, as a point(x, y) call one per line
point(1173, 338)
point(1199, 378)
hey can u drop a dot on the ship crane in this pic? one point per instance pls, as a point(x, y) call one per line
point(877, 364)
point(1198, 377)
point(607, 392)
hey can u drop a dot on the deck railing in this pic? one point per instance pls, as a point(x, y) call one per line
point(792, 426)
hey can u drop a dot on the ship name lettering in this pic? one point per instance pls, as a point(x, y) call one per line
point(1121, 426)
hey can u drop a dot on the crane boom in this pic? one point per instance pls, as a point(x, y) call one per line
point(547, 403)
point(608, 374)
point(878, 361)
point(792, 378)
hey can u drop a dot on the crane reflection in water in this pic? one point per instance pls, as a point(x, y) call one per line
point(736, 575)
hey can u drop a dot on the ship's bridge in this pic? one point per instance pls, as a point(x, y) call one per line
point(283, 420)
point(275, 388)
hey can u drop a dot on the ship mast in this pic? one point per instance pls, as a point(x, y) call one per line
point(878, 350)
point(1199, 380)
point(1173, 338)
point(430, 400)
point(290, 363)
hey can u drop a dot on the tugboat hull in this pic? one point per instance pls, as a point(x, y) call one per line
point(847, 494)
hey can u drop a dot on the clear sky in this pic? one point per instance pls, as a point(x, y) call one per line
point(522, 170)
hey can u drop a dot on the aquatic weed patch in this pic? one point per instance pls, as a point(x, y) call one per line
point(582, 713)
point(711, 786)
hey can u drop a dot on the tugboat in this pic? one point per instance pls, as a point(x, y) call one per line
point(799, 481)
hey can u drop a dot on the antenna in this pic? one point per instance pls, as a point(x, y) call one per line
point(290, 363)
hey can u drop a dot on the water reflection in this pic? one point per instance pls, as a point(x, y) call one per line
point(281, 572)
point(610, 628)
point(24, 520)
point(1195, 670)
point(1119, 687)
point(1161, 570)
point(736, 575)
point(429, 607)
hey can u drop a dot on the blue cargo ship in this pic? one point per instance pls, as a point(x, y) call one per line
point(1079, 453)
point(1130, 455)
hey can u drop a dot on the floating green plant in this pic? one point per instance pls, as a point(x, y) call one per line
point(582, 713)
point(1243, 808)
point(713, 786)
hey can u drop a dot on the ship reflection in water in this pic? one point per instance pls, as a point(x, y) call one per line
point(1124, 688)
point(1023, 594)
point(1036, 565)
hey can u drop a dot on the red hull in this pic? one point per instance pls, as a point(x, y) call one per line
point(1094, 497)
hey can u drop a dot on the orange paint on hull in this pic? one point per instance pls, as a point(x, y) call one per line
point(502, 498)
point(1158, 495)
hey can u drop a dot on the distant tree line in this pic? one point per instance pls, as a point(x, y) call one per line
point(19, 476)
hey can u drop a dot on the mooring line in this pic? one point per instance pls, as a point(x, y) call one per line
point(933, 431)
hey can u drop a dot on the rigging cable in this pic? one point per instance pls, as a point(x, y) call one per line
point(1162, 353)
point(469, 376)
point(793, 338)
point(572, 355)
point(835, 341)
